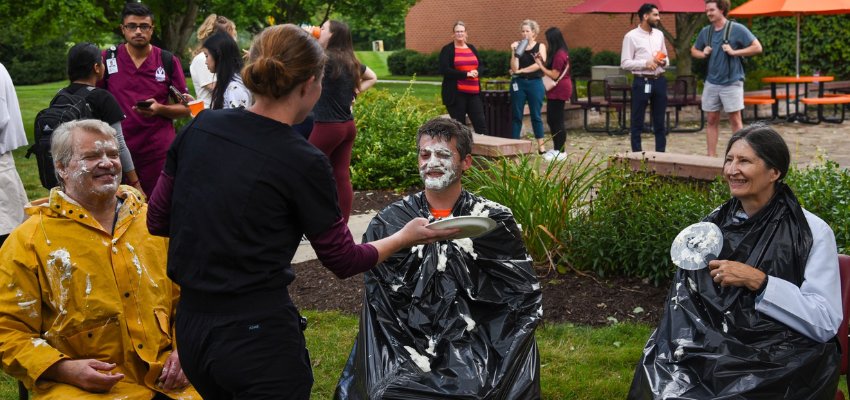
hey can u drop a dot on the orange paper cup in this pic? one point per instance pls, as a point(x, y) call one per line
point(316, 32)
point(659, 55)
point(196, 106)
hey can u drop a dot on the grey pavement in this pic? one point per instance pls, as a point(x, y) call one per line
point(415, 82)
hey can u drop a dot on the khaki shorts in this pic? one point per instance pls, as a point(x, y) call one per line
point(729, 98)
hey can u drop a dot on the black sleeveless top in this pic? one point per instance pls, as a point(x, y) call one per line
point(528, 59)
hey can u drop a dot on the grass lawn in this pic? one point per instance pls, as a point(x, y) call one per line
point(424, 91)
point(376, 60)
point(577, 362)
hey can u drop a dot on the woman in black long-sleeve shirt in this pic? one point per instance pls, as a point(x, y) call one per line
point(460, 67)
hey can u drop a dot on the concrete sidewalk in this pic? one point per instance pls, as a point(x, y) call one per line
point(357, 224)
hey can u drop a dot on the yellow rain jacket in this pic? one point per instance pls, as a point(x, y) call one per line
point(69, 289)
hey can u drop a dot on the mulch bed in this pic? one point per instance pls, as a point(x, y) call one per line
point(580, 298)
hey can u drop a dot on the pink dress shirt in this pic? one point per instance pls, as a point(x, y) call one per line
point(638, 47)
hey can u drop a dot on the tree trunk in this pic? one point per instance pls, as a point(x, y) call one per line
point(177, 27)
point(687, 24)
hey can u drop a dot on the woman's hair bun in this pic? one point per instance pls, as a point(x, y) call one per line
point(281, 58)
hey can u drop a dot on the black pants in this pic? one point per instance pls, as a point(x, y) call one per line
point(244, 353)
point(658, 103)
point(555, 120)
point(468, 103)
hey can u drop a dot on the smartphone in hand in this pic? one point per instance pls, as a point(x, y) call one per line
point(178, 94)
point(144, 104)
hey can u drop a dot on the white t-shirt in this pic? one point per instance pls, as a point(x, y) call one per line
point(237, 95)
point(201, 76)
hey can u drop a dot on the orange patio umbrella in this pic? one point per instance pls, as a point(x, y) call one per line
point(789, 8)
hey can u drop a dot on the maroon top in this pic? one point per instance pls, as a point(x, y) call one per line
point(147, 138)
point(564, 89)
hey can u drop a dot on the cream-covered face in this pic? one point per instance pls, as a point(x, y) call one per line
point(94, 169)
point(440, 165)
point(749, 178)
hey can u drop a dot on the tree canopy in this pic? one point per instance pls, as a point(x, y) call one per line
point(176, 20)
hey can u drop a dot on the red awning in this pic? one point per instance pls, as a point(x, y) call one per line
point(632, 6)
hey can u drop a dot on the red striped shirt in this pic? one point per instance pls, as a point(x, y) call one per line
point(466, 61)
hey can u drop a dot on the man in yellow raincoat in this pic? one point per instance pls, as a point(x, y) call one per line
point(86, 309)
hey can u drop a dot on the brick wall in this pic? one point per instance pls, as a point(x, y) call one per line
point(494, 24)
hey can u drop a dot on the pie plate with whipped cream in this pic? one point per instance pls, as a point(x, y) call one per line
point(469, 226)
point(696, 246)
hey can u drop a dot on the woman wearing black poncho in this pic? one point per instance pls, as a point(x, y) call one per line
point(760, 321)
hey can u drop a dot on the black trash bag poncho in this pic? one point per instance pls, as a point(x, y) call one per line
point(449, 320)
point(711, 342)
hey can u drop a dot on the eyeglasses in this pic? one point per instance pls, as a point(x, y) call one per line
point(459, 32)
point(133, 27)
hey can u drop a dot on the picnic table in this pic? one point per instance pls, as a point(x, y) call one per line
point(796, 80)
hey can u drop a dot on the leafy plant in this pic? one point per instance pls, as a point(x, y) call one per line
point(496, 63)
point(605, 57)
point(543, 203)
point(397, 62)
point(384, 153)
point(580, 62)
point(632, 219)
point(824, 190)
point(41, 63)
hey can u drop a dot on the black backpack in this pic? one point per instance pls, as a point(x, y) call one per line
point(64, 107)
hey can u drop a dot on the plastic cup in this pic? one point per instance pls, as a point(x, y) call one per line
point(196, 106)
point(316, 32)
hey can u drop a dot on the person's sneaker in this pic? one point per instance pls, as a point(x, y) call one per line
point(560, 156)
point(550, 155)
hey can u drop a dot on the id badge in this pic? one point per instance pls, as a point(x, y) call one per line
point(647, 88)
point(516, 87)
point(112, 65)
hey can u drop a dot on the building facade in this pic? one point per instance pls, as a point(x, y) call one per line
point(494, 24)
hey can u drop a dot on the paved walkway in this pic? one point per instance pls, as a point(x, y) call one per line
point(806, 142)
point(417, 82)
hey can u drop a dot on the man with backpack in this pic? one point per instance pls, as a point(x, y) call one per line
point(13, 197)
point(139, 74)
point(725, 43)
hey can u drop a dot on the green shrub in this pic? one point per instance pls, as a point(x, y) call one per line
point(37, 64)
point(397, 62)
point(496, 63)
point(824, 190)
point(633, 218)
point(605, 57)
point(542, 203)
point(416, 64)
point(384, 154)
point(580, 62)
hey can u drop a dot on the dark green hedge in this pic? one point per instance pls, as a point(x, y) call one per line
point(37, 64)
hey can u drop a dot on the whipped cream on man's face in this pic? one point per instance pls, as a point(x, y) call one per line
point(438, 165)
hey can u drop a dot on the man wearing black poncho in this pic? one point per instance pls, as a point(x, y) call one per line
point(760, 321)
point(452, 319)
